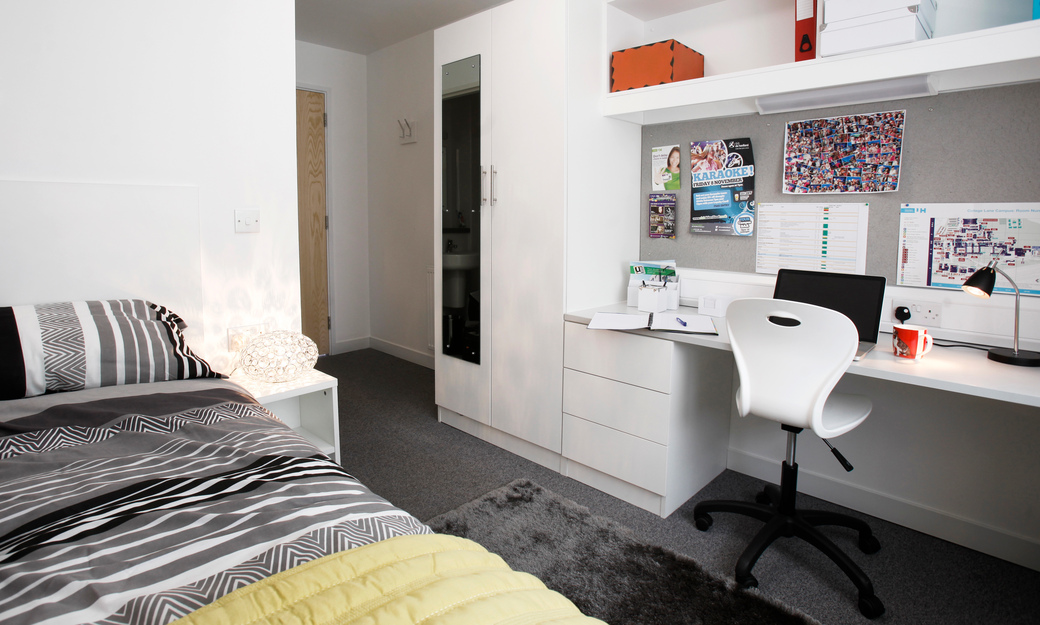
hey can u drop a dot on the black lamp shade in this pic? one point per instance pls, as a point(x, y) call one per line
point(981, 282)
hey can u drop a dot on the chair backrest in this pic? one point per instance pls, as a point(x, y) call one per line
point(789, 356)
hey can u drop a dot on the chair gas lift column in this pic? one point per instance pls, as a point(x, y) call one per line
point(789, 357)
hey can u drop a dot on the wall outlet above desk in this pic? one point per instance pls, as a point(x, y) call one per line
point(921, 313)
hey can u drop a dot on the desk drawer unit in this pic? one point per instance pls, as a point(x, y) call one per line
point(643, 419)
point(630, 458)
point(629, 358)
point(631, 409)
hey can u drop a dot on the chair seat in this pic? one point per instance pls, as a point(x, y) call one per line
point(843, 412)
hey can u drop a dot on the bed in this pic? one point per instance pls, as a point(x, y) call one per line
point(137, 485)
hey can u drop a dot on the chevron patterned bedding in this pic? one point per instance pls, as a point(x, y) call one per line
point(142, 503)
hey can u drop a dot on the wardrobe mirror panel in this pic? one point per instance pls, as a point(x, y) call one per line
point(461, 199)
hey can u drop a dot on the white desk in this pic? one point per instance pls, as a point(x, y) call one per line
point(950, 448)
point(954, 369)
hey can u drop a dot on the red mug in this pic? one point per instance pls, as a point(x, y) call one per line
point(910, 342)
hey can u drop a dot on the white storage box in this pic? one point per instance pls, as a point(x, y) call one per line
point(925, 13)
point(652, 299)
point(839, 10)
point(890, 32)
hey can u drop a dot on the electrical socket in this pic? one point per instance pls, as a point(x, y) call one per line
point(921, 313)
point(239, 337)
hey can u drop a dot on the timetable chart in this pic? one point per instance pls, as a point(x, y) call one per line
point(814, 237)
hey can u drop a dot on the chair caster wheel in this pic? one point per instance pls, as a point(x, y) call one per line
point(747, 581)
point(703, 522)
point(763, 498)
point(871, 607)
point(869, 544)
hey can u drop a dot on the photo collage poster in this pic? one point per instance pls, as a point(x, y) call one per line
point(850, 154)
point(722, 183)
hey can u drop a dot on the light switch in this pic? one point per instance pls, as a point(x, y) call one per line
point(247, 220)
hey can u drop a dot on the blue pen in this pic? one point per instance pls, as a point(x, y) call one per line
point(681, 322)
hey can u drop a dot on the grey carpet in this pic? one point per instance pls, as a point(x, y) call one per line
point(391, 440)
point(601, 566)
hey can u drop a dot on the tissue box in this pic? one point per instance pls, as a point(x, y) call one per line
point(654, 64)
point(653, 300)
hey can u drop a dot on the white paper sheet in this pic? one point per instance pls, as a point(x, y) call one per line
point(813, 237)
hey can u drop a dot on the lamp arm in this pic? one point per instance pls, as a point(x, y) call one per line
point(1018, 297)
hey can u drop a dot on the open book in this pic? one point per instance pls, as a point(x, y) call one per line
point(666, 321)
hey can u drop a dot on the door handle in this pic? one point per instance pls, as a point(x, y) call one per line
point(494, 175)
point(483, 196)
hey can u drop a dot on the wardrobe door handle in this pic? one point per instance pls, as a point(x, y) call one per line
point(494, 175)
point(483, 196)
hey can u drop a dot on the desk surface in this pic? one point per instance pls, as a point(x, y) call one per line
point(953, 369)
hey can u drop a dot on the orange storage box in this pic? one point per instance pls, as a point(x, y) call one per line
point(654, 64)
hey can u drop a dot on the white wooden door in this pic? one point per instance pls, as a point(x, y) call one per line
point(527, 306)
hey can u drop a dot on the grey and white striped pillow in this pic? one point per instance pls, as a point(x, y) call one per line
point(69, 346)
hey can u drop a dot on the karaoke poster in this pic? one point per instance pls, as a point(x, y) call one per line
point(722, 176)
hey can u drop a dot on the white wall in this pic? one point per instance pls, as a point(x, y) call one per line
point(188, 93)
point(603, 209)
point(342, 77)
point(400, 182)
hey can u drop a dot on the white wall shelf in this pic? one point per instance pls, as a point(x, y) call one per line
point(984, 58)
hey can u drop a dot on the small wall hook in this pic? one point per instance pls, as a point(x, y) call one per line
point(408, 134)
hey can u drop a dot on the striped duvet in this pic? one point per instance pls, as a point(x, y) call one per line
point(143, 503)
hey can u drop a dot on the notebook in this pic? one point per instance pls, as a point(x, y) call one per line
point(666, 321)
point(859, 298)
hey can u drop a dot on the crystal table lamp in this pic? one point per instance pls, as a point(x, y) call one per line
point(278, 356)
point(980, 284)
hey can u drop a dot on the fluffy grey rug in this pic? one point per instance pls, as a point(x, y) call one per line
point(600, 566)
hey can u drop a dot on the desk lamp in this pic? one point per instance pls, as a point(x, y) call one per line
point(980, 284)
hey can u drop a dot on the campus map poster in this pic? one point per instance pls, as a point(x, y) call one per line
point(851, 154)
point(722, 174)
point(940, 245)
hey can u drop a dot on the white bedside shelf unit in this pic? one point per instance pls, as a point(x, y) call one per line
point(309, 405)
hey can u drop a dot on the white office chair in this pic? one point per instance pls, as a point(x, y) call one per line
point(790, 356)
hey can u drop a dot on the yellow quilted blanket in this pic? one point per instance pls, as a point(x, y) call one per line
point(431, 579)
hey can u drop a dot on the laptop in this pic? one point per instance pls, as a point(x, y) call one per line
point(859, 298)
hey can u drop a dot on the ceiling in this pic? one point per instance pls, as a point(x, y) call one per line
point(364, 26)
